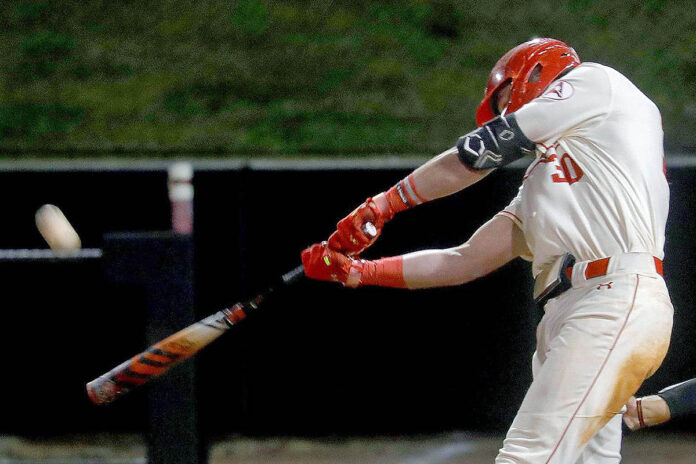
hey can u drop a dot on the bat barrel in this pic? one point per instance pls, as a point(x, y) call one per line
point(174, 349)
point(162, 356)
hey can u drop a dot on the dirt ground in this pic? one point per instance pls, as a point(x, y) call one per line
point(646, 447)
point(458, 448)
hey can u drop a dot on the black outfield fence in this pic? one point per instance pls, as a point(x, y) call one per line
point(320, 360)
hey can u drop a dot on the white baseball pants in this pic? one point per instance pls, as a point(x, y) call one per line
point(596, 344)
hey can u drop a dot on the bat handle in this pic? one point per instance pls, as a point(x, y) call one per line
point(293, 276)
point(370, 229)
point(296, 274)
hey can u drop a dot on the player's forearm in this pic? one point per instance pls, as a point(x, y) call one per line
point(674, 402)
point(444, 175)
point(437, 268)
point(421, 269)
point(646, 412)
point(439, 177)
point(492, 245)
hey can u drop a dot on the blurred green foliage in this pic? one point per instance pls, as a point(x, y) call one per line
point(283, 77)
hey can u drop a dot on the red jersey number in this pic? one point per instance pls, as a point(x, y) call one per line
point(569, 171)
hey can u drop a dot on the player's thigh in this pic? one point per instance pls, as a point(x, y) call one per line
point(608, 341)
point(566, 370)
point(640, 346)
point(598, 349)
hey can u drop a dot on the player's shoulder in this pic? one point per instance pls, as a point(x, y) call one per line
point(590, 73)
point(588, 80)
point(589, 68)
point(597, 75)
point(620, 87)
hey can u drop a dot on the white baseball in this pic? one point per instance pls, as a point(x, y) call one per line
point(56, 229)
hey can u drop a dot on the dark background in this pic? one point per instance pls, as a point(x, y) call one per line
point(320, 359)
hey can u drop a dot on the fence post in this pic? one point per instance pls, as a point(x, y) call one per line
point(162, 262)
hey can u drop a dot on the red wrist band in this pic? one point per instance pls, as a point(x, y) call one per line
point(385, 272)
point(403, 195)
point(639, 410)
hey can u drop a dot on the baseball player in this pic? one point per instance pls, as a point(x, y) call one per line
point(674, 402)
point(590, 215)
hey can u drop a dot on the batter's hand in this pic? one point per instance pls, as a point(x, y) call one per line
point(322, 263)
point(359, 229)
point(630, 417)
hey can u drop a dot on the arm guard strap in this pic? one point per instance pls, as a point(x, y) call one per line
point(498, 142)
point(680, 398)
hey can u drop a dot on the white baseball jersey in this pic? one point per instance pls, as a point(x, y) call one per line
point(597, 187)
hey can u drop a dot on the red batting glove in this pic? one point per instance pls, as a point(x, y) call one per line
point(354, 233)
point(322, 263)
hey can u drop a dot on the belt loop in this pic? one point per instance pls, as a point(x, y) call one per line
point(578, 273)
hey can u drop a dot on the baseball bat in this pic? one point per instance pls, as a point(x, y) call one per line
point(165, 354)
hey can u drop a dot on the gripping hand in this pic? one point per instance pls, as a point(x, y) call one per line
point(360, 229)
point(322, 263)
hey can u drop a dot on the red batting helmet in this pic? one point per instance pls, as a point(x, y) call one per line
point(550, 55)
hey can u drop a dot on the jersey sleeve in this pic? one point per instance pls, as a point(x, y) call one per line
point(513, 212)
point(579, 99)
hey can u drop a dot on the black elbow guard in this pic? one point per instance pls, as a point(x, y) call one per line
point(498, 142)
point(680, 399)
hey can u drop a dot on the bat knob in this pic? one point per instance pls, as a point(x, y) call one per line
point(370, 229)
